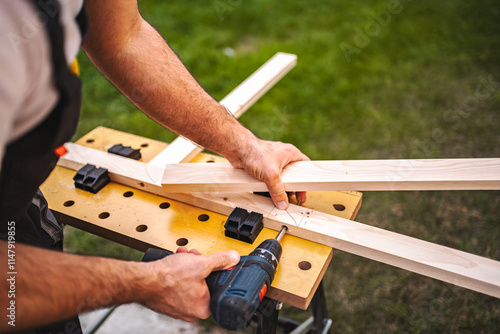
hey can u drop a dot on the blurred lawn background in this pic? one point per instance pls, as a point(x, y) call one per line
point(374, 80)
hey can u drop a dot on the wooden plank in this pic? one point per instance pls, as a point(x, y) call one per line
point(379, 175)
point(449, 265)
point(237, 102)
point(439, 262)
point(257, 84)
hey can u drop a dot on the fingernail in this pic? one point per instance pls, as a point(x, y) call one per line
point(281, 205)
point(234, 256)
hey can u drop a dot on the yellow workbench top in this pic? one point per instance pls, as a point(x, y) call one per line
point(140, 220)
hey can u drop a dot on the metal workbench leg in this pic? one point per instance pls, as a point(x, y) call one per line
point(267, 316)
point(319, 311)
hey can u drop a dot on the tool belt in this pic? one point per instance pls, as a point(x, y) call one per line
point(29, 160)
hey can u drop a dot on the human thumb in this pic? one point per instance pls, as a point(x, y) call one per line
point(224, 260)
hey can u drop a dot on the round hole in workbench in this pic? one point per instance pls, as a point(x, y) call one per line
point(69, 203)
point(141, 228)
point(165, 205)
point(145, 145)
point(128, 194)
point(305, 265)
point(182, 242)
point(104, 215)
point(141, 184)
point(339, 207)
point(203, 217)
point(90, 141)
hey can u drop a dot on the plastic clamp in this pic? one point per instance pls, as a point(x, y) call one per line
point(91, 179)
point(125, 151)
point(243, 226)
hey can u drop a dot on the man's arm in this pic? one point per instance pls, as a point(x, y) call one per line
point(52, 286)
point(140, 63)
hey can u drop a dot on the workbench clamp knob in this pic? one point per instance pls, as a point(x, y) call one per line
point(125, 151)
point(91, 179)
point(243, 226)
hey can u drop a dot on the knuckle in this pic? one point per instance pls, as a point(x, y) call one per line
point(280, 195)
point(218, 260)
point(272, 175)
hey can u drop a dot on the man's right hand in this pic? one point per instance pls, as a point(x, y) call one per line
point(68, 284)
point(175, 285)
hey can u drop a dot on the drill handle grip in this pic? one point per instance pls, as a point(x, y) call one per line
point(153, 254)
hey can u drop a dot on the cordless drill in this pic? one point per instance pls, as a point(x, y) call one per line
point(235, 293)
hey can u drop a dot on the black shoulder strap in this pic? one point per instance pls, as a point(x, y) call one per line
point(29, 160)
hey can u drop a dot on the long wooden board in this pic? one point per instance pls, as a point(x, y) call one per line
point(380, 175)
point(446, 264)
point(237, 102)
point(439, 262)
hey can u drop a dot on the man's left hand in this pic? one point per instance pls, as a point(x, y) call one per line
point(265, 161)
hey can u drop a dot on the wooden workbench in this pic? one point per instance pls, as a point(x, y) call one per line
point(140, 220)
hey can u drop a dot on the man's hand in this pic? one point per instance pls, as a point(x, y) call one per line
point(68, 284)
point(265, 161)
point(177, 284)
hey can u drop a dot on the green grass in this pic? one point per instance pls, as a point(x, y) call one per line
point(414, 90)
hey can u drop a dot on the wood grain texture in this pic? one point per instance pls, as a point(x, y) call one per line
point(449, 265)
point(446, 264)
point(237, 102)
point(361, 175)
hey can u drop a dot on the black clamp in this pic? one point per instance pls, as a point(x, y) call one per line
point(91, 178)
point(243, 226)
point(125, 151)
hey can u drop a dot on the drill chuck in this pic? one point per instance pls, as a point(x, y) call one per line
point(269, 250)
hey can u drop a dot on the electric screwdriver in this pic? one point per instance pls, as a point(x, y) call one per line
point(235, 293)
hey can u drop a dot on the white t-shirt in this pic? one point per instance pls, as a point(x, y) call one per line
point(27, 93)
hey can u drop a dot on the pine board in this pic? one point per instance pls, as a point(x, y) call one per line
point(361, 175)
